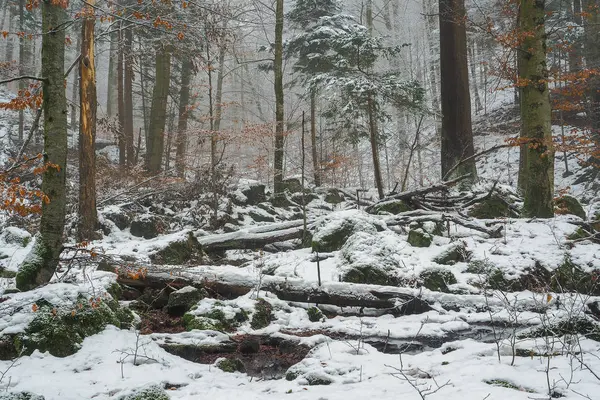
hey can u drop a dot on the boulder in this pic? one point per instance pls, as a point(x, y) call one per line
point(293, 185)
point(307, 197)
point(334, 196)
point(260, 216)
point(148, 226)
point(119, 218)
point(183, 299)
point(16, 236)
point(390, 206)
point(231, 365)
point(437, 279)
point(254, 192)
point(569, 205)
point(453, 253)
point(493, 207)
point(419, 238)
point(154, 392)
point(332, 232)
point(179, 252)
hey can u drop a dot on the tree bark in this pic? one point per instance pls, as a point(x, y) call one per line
point(128, 95)
point(158, 113)
point(40, 264)
point(536, 112)
point(575, 53)
point(24, 61)
point(182, 120)
point(375, 146)
point(279, 105)
point(313, 138)
point(457, 135)
point(88, 217)
point(121, 100)
point(111, 98)
point(75, 88)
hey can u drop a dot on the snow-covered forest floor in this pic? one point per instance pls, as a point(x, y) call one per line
point(504, 316)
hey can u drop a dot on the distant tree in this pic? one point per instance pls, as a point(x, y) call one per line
point(279, 102)
point(457, 134)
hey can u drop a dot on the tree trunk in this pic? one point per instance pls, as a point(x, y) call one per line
point(75, 92)
point(279, 118)
point(375, 146)
point(40, 264)
point(457, 135)
point(111, 98)
point(88, 217)
point(182, 121)
point(121, 100)
point(592, 57)
point(158, 113)
point(128, 95)
point(536, 112)
point(575, 53)
point(8, 57)
point(478, 106)
point(24, 61)
point(313, 138)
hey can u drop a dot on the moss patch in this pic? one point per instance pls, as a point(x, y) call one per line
point(231, 365)
point(20, 396)
point(569, 205)
point(314, 314)
point(494, 207)
point(570, 277)
point(508, 385)
point(392, 207)
point(437, 279)
point(369, 274)
point(180, 252)
point(419, 238)
point(151, 393)
point(263, 315)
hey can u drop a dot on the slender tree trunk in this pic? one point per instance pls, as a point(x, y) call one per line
point(536, 112)
point(457, 135)
point(478, 106)
point(313, 138)
point(9, 56)
point(182, 120)
point(143, 70)
point(128, 95)
point(158, 113)
point(575, 53)
point(88, 217)
point(279, 106)
point(121, 100)
point(111, 98)
point(75, 92)
point(39, 266)
point(24, 61)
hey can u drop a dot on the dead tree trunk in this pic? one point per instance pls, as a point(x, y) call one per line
point(128, 95)
point(182, 121)
point(121, 101)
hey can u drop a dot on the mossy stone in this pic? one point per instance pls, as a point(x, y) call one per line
point(180, 252)
point(263, 314)
point(150, 393)
point(334, 196)
point(570, 326)
point(20, 396)
point(231, 365)
point(392, 207)
point(570, 277)
point(493, 207)
point(184, 299)
point(318, 380)
point(334, 240)
point(314, 314)
point(419, 238)
point(61, 331)
point(570, 205)
point(7, 274)
point(456, 252)
point(369, 274)
point(437, 280)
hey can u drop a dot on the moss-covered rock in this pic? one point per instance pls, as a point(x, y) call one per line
point(213, 320)
point(492, 277)
point(572, 278)
point(370, 274)
point(60, 331)
point(314, 314)
point(119, 217)
point(569, 326)
point(180, 252)
point(263, 314)
point(437, 279)
point(183, 299)
point(391, 206)
point(231, 365)
point(334, 196)
point(16, 236)
point(419, 238)
point(254, 192)
point(453, 253)
point(293, 185)
point(307, 197)
point(148, 226)
point(332, 234)
point(569, 205)
point(493, 207)
point(32, 272)
point(20, 396)
point(7, 274)
point(154, 392)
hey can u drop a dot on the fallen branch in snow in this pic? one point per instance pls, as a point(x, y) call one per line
point(423, 216)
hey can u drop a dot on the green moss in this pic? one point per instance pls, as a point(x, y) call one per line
point(392, 207)
point(318, 380)
point(579, 233)
point(508, 385)
point(180, 252)
point(20, 396)
point(419, 238)
point(263, 315)
point(572, 326)
point(314, 314)
point(291, 375)
point(570, 277)
point(368, 274)
point(61, 331)
point(231, 365)
point(151, 393)
point(7, 274)
point(334, 240)
point(494, 207)
point(569, 205)
point(29, 275)
point(334, 196)
point(437, 279)
point(115, 290)
point(191, 322)
point(492, 277)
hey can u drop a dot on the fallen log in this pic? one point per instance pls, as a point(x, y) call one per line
point(425, 216)
point(252, 239)
point(228, 283)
